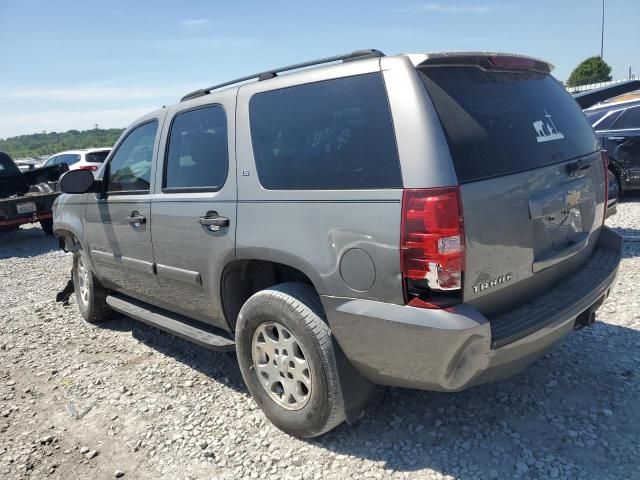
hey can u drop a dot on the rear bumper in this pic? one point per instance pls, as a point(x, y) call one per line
point(9, 214)
point(456, 348)
point(32, 218)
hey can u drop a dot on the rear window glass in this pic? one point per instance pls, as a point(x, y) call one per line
point(497, 123)
point(334, 134)
point(97, 157)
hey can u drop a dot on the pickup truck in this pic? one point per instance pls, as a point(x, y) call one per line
point(27, 197)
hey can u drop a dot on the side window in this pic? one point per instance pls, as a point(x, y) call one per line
point(69, 159)
point(632, 118)
point(607, 122)
point(334, 134)
point(197, 155)
point(130, 166)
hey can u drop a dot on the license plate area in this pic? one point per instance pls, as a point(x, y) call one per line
point(28, 207)
point(562, 217)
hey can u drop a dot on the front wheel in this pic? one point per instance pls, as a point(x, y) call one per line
point(286, 356)
point(91, 297)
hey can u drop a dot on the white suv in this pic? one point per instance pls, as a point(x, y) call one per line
point(87, 159)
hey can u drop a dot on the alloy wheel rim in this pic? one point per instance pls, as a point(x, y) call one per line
point(83, 280)
point(281, 365)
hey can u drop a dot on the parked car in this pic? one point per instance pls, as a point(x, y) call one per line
point(420, 221)
point(88, 159)
point(617, 126)
point(27, 197)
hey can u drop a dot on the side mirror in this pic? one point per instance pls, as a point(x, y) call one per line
point(79, 181)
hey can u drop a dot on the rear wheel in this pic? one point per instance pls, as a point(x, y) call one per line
point(286, 356)
point(47, 226)
point(91, 297)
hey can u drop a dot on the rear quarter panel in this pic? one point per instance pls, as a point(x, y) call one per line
point(311, 230)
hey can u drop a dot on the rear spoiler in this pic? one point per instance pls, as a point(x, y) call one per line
point(597, 95)
point(486, 61)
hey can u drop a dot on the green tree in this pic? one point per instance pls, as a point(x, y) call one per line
point(591, 70)
point(49, 143)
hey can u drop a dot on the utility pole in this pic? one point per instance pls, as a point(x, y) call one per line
point(602, 35)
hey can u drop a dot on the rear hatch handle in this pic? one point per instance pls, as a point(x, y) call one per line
point(577, 166)
point(554, 257)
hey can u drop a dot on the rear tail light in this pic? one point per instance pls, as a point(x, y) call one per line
point(432, 245)
point(605, 163)
point(91, 168)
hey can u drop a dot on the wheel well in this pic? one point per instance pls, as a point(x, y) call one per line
point(243, 278)
point(67, 241)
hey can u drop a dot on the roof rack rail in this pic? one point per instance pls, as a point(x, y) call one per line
point(357, 55)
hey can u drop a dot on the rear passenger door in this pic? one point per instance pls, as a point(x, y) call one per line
point(193, 209)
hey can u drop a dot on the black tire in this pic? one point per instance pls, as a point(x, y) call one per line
point(93, 306)
point(297, 307)
point(47, 226)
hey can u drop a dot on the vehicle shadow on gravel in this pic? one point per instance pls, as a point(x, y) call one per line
point(219, 366)
point(632, 196)
point(26, 243)
point(565, 415)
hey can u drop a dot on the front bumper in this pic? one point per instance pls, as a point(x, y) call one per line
point(453, 349)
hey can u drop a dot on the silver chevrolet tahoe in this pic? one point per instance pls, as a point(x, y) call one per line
point(430, 221)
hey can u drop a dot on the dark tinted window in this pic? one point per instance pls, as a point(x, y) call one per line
point(97, 157)
point(68, 158)
point(335, 134)
point(130, 166)
point(629, 119)
point(52, 161)
point(498, 123)
point(608, 121)
point(197, 155)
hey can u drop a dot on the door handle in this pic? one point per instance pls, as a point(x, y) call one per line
point(136, 219)
point(213, 221)
point(616, 139)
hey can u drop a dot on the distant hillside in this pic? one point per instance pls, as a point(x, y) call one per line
point(49, 143)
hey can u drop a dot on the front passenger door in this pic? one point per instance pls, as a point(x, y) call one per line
point(117, 223)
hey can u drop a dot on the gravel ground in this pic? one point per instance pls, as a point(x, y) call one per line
point(123, 399)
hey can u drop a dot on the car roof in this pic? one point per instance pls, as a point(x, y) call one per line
point(80, 151)
point(66, 152)
point(97, 149)
point(362, 55)
point(614, 105)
